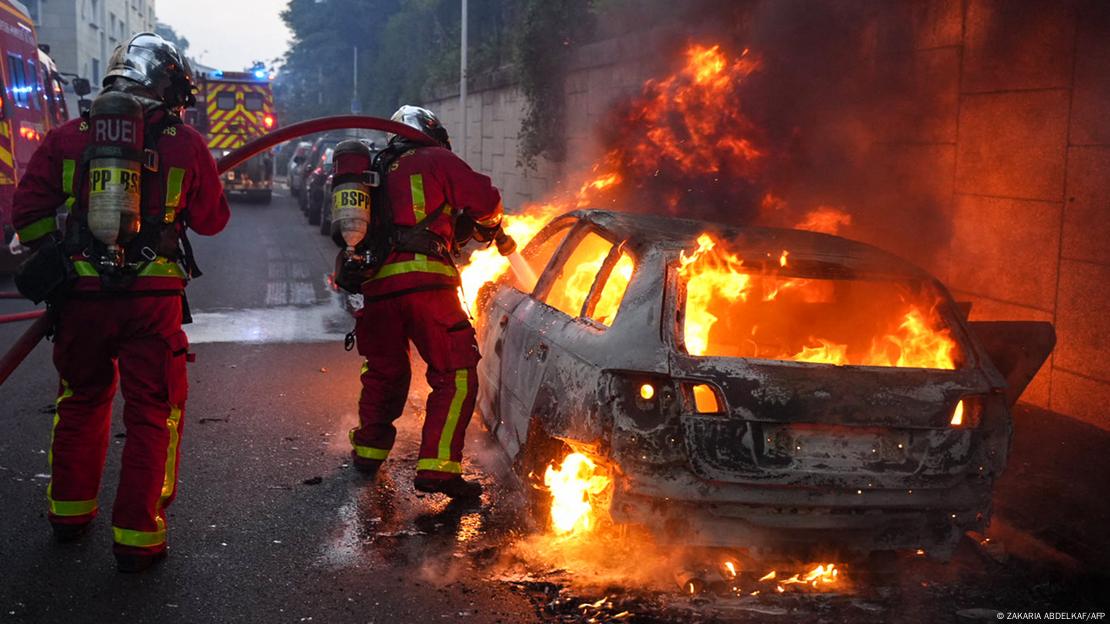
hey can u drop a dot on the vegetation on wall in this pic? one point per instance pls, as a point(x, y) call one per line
point(408, 49)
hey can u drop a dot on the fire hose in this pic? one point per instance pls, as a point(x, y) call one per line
point(43, 321)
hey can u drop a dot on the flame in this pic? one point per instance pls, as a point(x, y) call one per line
point(487, 265)
point(709, 273)
point(574, 488)
point(914, 337)
point(685, 127)
point(821, 576)
point(825, 219)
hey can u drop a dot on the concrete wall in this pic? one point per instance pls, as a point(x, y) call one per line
point(1010, 121)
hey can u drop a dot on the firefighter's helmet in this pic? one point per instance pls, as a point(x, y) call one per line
point(423, 120)
point(157, 65)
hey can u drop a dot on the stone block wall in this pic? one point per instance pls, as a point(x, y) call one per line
point(1008, 119)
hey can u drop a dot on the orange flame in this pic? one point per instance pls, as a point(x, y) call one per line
point(712, 275)
point(574, 488)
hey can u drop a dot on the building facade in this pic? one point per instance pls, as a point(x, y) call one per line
point(83, 33)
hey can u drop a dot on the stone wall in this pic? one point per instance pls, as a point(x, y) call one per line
point(1011, 122)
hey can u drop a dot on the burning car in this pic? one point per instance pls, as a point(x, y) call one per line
point(769, 389)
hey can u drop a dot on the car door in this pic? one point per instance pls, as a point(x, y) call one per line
point(546, 329)
point(499, 355)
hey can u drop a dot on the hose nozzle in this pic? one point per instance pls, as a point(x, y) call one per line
point(505, 243)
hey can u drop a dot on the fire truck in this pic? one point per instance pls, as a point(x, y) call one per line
point(31, 103)
point(233, 108)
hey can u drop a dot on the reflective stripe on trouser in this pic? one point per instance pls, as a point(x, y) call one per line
point(144, 335)
point(434, 321)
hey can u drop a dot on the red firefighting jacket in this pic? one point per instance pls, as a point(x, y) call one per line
point(188, 185)
point(418, 183)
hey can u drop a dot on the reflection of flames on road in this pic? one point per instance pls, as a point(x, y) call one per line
point(581, 542)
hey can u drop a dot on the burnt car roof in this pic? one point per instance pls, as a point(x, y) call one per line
point(830, 252)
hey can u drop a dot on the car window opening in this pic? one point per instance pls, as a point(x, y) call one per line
point(732, 309)
point(576, 275)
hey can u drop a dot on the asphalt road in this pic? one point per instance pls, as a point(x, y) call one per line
point(272, 525)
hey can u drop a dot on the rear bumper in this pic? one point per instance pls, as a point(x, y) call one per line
point(679, 507)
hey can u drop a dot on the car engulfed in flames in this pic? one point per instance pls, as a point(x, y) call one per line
point(779, 391)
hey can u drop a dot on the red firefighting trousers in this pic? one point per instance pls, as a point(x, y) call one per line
point(141, 336)
point(435, 322)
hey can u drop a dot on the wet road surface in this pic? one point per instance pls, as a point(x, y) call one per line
point(271, 524)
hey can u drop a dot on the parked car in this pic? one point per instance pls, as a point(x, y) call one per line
point(312, 162)
point(738, 436)
point(314, 186)
point(325, 212)
point(295, 167)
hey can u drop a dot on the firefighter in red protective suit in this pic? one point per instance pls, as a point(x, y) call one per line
point(412, 296)
point(124, 305)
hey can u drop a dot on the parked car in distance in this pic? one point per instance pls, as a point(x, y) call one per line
point(314, 186)
point(296, 168)
point(311, 163)
point(718, 414)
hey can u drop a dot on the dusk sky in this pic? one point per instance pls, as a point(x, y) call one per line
point(234, 32)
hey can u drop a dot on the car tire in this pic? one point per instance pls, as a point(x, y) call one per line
point(540, 451)
point(314, 209)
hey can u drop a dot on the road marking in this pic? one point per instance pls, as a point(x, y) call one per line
point(319, 323)
point(302, 293)
point(277, 293)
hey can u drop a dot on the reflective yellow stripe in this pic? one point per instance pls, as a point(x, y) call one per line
point(416, 185)
point(72, 508)
point(416, 266)
point(366, 452)
point(439, 465)
point(141, 539)
point(162, 267)
point(159, 267)
point(461, 387)
point(173, 193)
point(68, 169)
point(173, 423)
point(84, 268)
point(38, 229)
point(66, 393)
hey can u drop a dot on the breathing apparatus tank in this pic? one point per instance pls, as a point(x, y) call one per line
point(115, 163)
point(350, 216)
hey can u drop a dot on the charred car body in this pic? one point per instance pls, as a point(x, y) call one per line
point(715, 440)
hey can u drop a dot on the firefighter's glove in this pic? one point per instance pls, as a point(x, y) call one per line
point(505, 243)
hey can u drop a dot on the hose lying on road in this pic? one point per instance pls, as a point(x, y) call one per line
point(36, 332)
point(24, 345)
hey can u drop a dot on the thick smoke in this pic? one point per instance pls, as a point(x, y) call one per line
point(841, 111)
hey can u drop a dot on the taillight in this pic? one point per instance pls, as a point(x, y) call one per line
point(967, 413)
point(268, 120)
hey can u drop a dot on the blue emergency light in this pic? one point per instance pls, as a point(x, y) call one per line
point(260, 73)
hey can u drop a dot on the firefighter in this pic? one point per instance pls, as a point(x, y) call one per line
point(124, 305)
point(429, 194)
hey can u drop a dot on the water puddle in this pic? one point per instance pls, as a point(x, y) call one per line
point(324, 322)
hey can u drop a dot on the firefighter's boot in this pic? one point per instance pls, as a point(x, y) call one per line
point(133, 563)
point(455, 487)
point(66, 533)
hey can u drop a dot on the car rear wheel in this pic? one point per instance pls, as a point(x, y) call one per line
point(540, 451)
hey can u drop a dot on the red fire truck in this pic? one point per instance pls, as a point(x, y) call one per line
point(233, 108)
point(31, 103)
